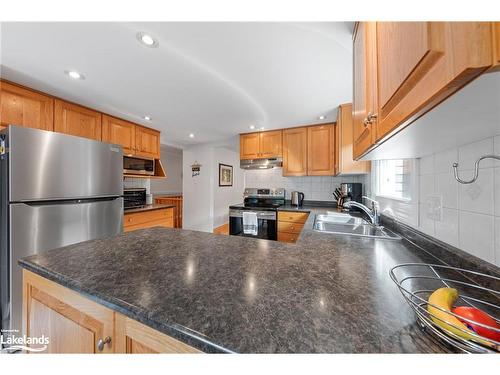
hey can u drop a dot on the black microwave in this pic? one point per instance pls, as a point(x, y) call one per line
point(132, 165)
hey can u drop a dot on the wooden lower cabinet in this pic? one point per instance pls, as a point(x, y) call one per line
point(163, 217)
point(75, 324)
point(136, 338)
point(72, 323)
point(290, 225)
point(176, 201)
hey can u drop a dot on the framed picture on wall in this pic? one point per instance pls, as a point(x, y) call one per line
point(225, 175)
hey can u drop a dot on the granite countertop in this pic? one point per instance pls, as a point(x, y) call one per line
point(324, 294)
point(147, 207)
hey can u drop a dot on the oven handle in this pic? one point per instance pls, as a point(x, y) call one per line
point(269, 215)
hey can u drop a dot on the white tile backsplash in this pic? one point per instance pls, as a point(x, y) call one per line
point(468, 154)
point(447, 228)
point(444, 160)
point(447, 187)
point(477, 235)
point(427, 165)
point(478, 196)
point(470, 217)
point(314, 187)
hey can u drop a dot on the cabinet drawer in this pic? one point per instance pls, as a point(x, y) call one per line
point(295, 217)
point(147, 216)
point(287, 237)
point(167, 222)
point(289, 227)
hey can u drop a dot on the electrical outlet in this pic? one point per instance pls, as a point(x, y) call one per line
point(434, 206)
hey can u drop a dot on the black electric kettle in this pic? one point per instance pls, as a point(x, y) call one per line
point(297, 198)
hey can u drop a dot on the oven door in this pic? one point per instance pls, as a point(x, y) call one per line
point(267, 223)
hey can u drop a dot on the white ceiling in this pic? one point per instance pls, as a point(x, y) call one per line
point(210, 79)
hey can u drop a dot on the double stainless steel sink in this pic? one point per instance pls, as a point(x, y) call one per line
point(342, 223)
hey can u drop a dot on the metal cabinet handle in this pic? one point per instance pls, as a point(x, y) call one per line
point(101, 343)
point(369, 119)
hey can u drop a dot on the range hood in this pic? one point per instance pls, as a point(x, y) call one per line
point(261, 163)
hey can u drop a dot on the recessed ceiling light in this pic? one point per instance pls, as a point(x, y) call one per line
point(252, 127)
point(321, 117)
point(74, 74)
point(147, 118)
point(147, 40)
point(191, 135)
point(261, 128)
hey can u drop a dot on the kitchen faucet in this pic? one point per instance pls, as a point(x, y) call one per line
point(372, 213)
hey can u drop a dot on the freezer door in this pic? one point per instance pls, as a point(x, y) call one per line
point(38, 227)
point(48, 165)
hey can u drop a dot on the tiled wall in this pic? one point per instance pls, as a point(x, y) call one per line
point(134, 183)
point(314, 187)
point(471, 213)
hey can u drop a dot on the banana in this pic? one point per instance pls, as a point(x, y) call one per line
point(445, 298)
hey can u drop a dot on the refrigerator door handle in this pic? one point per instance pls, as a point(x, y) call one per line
point(49, 202)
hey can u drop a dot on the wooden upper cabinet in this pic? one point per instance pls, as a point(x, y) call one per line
point(76, 120)
point(496, 34)
point(119, 132)
point(295, 152)
point(365, 88)
point(406, 52)
point(20, 106)
point(344, 162)
point(147, 142)
point(271, 144)
point(422, 63)
point(249, 146)
point(320, 150)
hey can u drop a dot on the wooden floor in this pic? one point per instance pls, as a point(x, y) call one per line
point(223, 229)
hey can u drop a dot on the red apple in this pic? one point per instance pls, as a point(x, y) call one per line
point(481, 317)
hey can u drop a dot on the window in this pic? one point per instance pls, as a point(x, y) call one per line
point(393, 178)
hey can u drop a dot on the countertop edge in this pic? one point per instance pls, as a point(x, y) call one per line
point(178, 332)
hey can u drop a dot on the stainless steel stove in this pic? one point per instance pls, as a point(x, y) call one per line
point(264, 202)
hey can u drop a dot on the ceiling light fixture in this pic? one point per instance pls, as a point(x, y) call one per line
point(321, 117)
point(147, 40)
point(74, 74)
point(147, 118)
point(191, 135)
point(261, 128)
point(252, 127)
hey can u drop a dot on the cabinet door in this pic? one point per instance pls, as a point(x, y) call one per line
point(295, 152)
point(20, 106)
point(76, 120)
point(136, 338)
point(147, 142)
point(249, 146)
point(365, 87)
point(344, 162)
point(271, 144)
point(406, 52)
point(120, 132)
point(496, 29)
point(320, 150)
point(72, 323)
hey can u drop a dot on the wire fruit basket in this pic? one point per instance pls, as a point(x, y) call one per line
point(418, 281)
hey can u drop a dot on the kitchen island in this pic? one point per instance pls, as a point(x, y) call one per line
point(324, 294)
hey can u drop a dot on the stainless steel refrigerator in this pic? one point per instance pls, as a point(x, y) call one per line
point(56, 190)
